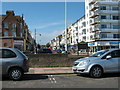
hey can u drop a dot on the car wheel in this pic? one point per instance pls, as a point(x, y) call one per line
point(15, 74)
point(96, 72)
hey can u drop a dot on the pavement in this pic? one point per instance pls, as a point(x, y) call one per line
point(55, 70)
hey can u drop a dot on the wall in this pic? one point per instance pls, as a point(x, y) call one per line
point(52, 59)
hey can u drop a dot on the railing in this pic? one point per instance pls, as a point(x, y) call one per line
point(95, 14)
point(108, 0)
point(94, 5)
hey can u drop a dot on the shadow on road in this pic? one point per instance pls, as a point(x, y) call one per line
point(28, 77)
point(108, 75)
point(111, 75)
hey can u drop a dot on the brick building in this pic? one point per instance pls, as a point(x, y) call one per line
point(14, 32)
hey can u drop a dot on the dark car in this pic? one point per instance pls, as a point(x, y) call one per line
point(45, 50)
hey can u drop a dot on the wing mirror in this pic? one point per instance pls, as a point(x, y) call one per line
point(108, 57)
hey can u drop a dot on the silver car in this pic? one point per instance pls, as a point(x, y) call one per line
point(13, 63)
point(105, 61)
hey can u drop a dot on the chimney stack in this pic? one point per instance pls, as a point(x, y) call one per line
point(10, 12)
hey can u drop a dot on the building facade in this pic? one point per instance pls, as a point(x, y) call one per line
point(103, 19)
point(99, 27)
point(14, 32)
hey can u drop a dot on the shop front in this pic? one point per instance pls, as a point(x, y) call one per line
point(101, 45)
point(19, 44)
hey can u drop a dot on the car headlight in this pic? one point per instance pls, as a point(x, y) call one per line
point(83, 63)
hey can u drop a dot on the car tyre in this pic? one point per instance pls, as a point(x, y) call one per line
point(15, 74)
point(96, 72)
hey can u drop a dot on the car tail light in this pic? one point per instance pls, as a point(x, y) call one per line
point(26, 63)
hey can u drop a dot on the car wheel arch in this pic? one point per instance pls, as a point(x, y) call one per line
point(98, 66)
point(12, 67)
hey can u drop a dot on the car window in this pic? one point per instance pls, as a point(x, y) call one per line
point(98, 54)
point(113, 54)
point(8, 54)
point(21, 53)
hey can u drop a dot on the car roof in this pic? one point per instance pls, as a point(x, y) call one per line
point(114, 49)
point(6, 48)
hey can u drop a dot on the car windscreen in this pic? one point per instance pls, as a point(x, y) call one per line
point(98, 54)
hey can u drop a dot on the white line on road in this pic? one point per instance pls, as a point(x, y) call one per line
point(52, 79)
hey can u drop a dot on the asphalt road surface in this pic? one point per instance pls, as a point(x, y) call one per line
point(62, 81)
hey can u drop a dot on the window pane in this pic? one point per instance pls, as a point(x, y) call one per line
point(115, 8)
point(13, 26)
point(116, 35)
point(5, 25)
point(103, 8)
point(115, 54)
point(103, 26)
point(8, 54)
point(5, 33)
point(14, 34)
point(103, 35)
point(115, 26)
point(103, 17)
point(115, 17)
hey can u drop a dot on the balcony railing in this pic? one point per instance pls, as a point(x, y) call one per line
point(98, 21)
point(94, 7)
point(95, 14)
point(92, 1)
point(109, 30)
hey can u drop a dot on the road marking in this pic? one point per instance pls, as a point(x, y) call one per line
point(52, 79)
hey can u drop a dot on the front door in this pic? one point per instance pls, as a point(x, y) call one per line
point(113, 64)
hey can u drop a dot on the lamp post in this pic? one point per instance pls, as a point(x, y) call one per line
point(36, 41)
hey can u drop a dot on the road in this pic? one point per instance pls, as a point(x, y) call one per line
point(62, 81)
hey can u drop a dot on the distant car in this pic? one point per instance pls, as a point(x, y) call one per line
point(64, 52)
point(59, 51)
point(14, 63)
point(45, 50)
point(105, 61)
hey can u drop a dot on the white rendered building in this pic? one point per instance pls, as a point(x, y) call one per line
point(102, 24)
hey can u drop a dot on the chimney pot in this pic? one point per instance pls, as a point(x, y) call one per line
point(10, 12)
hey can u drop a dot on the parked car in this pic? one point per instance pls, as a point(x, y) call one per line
point(105, 61)
point(45, 50)
point(14, 63)
point(64, 52)
point(59, 51)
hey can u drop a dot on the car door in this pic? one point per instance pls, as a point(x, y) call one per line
point(8, 59)
point(113, 64)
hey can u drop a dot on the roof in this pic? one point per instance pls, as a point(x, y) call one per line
point(5, 16)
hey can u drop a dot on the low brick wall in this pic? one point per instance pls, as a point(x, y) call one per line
point(52, 59)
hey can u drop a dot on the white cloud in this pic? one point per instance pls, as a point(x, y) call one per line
point(46, 37)
point(48, 25)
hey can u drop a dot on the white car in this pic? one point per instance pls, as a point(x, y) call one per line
point(105, 61)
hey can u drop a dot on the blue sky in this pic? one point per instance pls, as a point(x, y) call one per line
point(48, 18)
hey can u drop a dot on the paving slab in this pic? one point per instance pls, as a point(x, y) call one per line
point(56, 70)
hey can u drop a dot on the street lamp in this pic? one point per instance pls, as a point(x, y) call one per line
point(36, 41)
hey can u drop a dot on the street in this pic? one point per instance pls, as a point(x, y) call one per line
point(62, 81)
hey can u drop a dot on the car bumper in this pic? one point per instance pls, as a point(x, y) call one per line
point(79, 70)
point(26, 69)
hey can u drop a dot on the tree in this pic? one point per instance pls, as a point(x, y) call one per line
point(38, 46)
point(47, 45)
